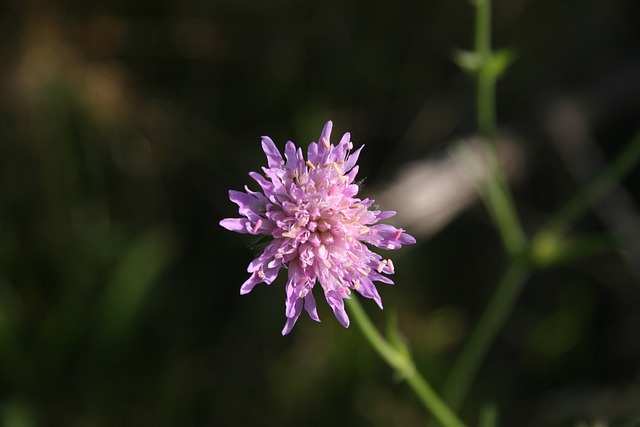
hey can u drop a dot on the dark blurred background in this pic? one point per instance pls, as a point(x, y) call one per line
point(123, 124)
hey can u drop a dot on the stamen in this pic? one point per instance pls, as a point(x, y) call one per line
point(364, 230)
point(356, 284)
point(257, 226)
point(325, 141)
point(301, 280)
point(311, 165)
point(382, 265)
point(398, 234)
point(390, 265)
point(290, 234)
point(337, 168)
point(261, 274)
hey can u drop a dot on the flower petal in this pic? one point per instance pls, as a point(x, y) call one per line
point(274, 158)
point(293, 308)
point(239, 225)
point(324, 145)
point(388, 237)
point(335, 300)
point(248, 285)
point(289, 324)
point(352, 159)
point(368, 290)
point(248, 205)
point(310, 306)
point(385, 214)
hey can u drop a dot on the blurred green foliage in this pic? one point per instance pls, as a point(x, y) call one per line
point(122, 127)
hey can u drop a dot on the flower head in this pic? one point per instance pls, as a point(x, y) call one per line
point(319, 228)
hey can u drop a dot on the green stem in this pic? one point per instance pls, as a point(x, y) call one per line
point(485, 101)
point(497, 195)
point(500, 205)
point(598, 188)
point(482, 337)
point(403, 363)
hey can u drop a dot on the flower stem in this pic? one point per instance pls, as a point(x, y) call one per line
point(499, 202)
point(493, 319)
point(485, 100)
point(497, 195)
point(403, 363)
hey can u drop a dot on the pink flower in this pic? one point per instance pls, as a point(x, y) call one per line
point(319, 228)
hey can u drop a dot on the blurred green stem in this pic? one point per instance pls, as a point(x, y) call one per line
point(493, 319)
point(500, 204)
point(401, 361)
point(485, 100)
point(497, 196)
point(598, 188)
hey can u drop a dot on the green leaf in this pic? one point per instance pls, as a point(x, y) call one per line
point(469, 61)
point(548, 249)
point(495, 64)
point(498, 62)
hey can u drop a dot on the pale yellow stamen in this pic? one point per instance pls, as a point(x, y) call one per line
point(289, 233)
point(311, 165)
point(337, 168)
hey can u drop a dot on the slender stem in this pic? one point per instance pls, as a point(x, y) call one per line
point(497, 195)
point(485, 101)
point(499, 202)
point(493, 319)
point(403, 363)
point(598, 188)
